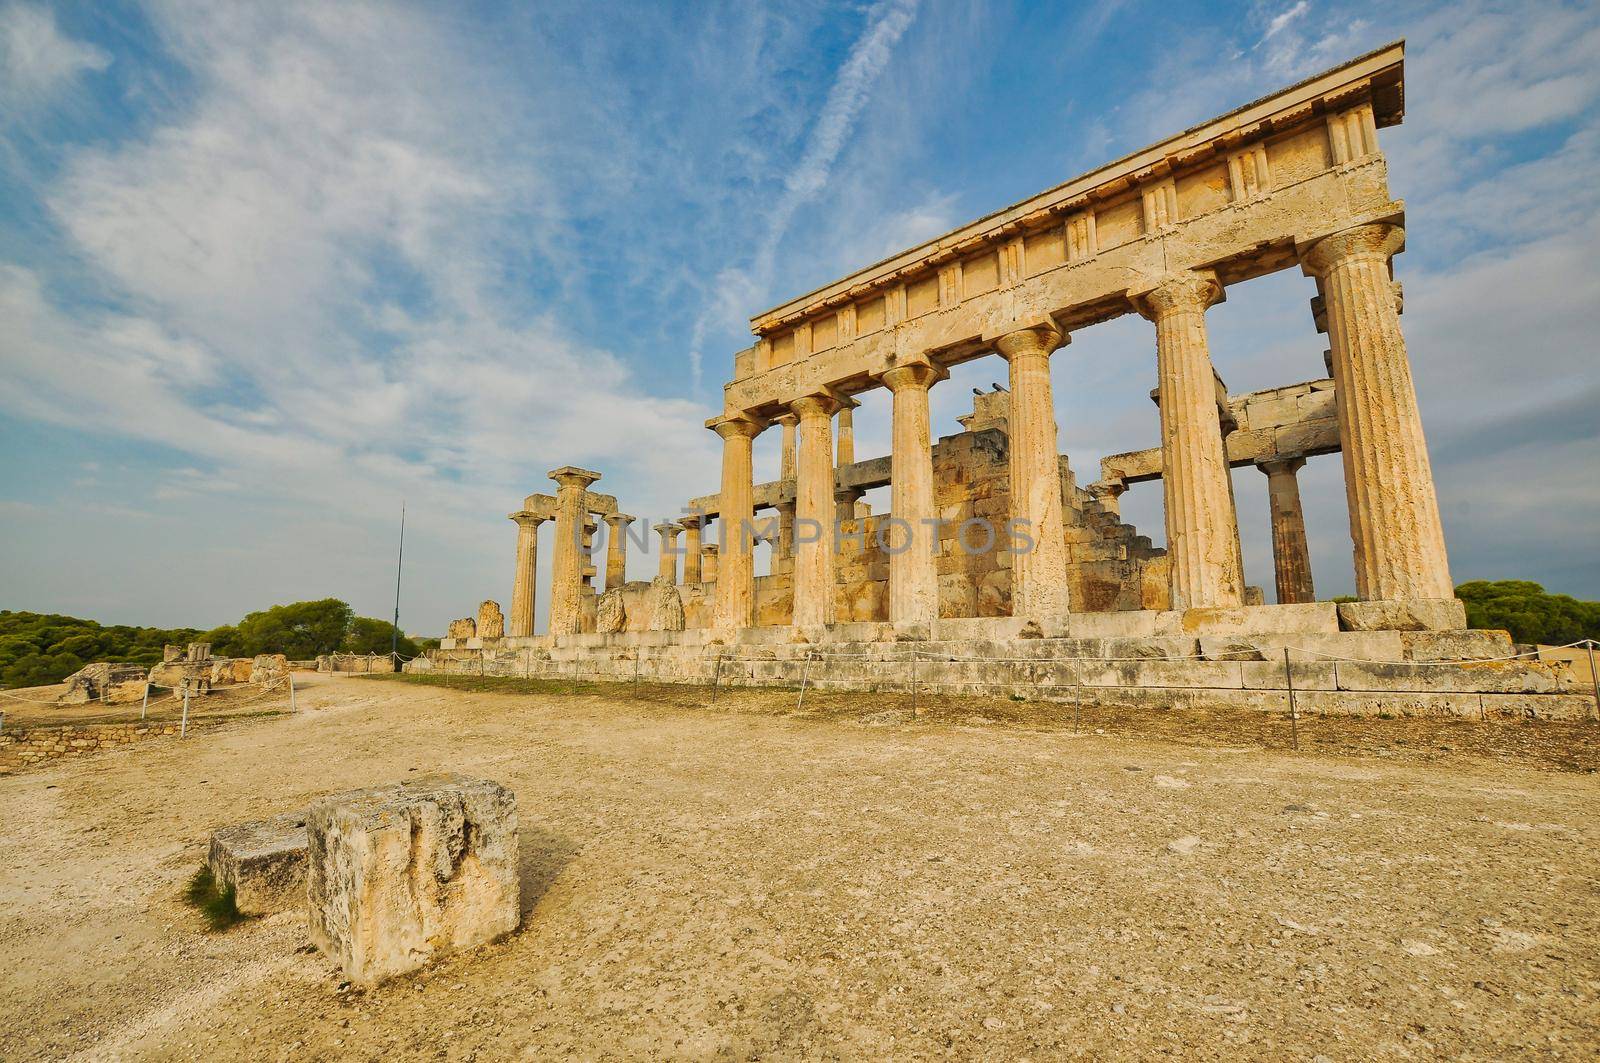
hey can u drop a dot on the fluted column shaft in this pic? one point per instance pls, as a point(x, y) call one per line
point(786, 463)
point(785, 543)
point(813, 552)
point(667, 568)
point(691, 549)
point(1039, 573)
point(617, 550)
point(522, 588)
point(736, 598)
point(566, 570)
point(1291, 558)
point(1202, 528)
point(913, 581)
point(1394, 512)
point(846, 444)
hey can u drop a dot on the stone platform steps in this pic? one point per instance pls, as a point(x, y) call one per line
point(1454, 673)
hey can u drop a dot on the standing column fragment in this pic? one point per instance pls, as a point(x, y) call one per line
point(1202, 528)
point(1039, 570)
point(1291, 558)
point(735, 608)
point(1395, 528)
point(691, 547)
point(913, 579)
point(566, 570)
point(813, 555)
point(617, 549)
point(522, 588)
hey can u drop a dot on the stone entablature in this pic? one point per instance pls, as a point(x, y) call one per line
point(1289, 423)
point(1238, 195)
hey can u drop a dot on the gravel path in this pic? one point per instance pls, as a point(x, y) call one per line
point(741, 885)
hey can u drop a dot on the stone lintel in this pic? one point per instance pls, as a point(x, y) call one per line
point(1379, 74)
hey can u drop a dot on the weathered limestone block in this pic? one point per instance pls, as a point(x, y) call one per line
point(170, 653)
point(112, 684)
point(491, 623)
point(227, 670)
point(1405, 614)
point(1455, 645)
point(1228, 648)
point(198, 651)
point(399, 875)
point(268, 667)
point(611, 615)
point(463, 629)
point(666, 605)
point(264, 861)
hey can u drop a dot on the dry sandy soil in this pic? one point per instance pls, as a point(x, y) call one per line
point(746, 882)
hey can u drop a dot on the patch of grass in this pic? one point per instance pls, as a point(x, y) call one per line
point(216, 904)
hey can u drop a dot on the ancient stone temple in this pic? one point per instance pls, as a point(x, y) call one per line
point(989, 535)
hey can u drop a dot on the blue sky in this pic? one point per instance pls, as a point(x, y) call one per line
point(267, 269)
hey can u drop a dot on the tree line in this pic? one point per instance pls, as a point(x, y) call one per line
point(41, 648)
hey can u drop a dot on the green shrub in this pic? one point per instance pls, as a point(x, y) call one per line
point(216, 904)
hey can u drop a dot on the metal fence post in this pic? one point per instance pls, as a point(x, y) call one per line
point(716, 678)
point(145, 706)
point(914, 712)
point(183, 729)
point(805, 670)
point(1294, 716)
point(1594, 679)
point(292, 706)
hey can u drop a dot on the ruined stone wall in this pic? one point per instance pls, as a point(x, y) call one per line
point(26, 747)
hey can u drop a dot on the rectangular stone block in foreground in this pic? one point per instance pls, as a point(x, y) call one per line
point(399, 875)
point(264, 861)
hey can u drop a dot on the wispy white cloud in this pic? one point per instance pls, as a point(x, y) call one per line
point(37, 61)
point(742, 287)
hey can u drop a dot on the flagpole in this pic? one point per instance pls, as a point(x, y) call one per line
point(394, 642)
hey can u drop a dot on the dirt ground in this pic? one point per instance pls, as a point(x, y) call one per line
point(747, 882)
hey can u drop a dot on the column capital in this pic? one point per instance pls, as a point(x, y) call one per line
point(1194, 290)
point(692, 521)
point(1374, 238)
point(1281, 466)
point(917, 376)
point(618, 519)
point(668, 527)
point(527, 519)
point(736, 427)
point(818, 404)
point(572, 476)
point(786, 420)
point(1043, 338)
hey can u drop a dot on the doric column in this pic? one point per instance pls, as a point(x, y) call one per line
point(708, 562)
point(566, 570)
point(617, 549)
point(813, 555)
point(845, 446)
point(691, 547)
point(1038, 573)
point(913, 582)
point(736, 599)
point(786, 464)
point(522, 588)
point(785, 541)
point(1202, 529)
point(668, 568)
point(1291, 559)
point(844, 502)
point(1394, 512)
